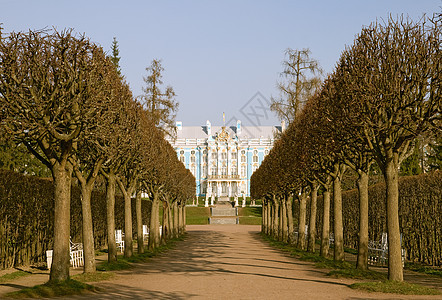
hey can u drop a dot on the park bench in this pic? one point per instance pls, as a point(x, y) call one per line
point(75, 253)
point(119, 239)
point(378, 251)
point(145, 233)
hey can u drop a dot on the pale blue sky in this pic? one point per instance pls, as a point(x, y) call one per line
point(217, 54)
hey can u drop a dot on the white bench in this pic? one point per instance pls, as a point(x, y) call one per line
point(119, 239)
point(75, 253)
point(145, 232)
point(378, 251)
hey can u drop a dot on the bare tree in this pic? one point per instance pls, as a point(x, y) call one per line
point(160, 104)
point(300, 81)
point(392, 78)
point(48, 85)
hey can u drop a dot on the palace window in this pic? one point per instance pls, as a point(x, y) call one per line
point(223, 155)
point(192, 158)
point(266, 152)
point(182, 159)
point(234, 155)
point(204, 171)
point(204, 188)
point(214, 155)
point(243, 171)
point(234, 170)
point(213, 170)
point(243, 188)
point(243, 158)
point(223, 171)
point(255, 156)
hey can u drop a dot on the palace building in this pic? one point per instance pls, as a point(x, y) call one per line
point(222, 158)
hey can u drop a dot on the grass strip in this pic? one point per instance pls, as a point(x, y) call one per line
point(348, 270)
point(395, 287)
point(14, 275)
point(94, 277)
point(53, 289)
point(416, 267)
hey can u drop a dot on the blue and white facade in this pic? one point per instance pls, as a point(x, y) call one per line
point(222, 158)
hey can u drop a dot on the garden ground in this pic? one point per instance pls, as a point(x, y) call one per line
point(222, 262)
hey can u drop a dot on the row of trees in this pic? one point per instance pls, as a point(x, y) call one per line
point(64, 99)
point(384, 93)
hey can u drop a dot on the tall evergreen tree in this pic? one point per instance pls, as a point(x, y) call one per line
point(160, 104)
point(115, 58)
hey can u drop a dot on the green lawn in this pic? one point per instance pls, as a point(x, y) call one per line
point(200, 215)
point(197, 215)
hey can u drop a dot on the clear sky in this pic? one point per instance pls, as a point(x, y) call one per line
point(219, 56)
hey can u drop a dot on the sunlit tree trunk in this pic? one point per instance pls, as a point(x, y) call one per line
point(154, 239)
point(362, 260)
point(312, 224)
point(338, 229)
point(88, 231)
point(325, 235)
point(165, 223)
point(264, 216)
point(175, 220)
point(302, 219)
point(269, 218)
point(62, 173)
point(110, 217)
point(275, 218)
point(291, 228)
point(395, 271)
point(284, 220)
point(128, 245)
point(140, 237)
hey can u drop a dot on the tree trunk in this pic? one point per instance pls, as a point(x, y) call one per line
point(88, 231)
point(128, 240)
point(362, 260)
point(284, 221)
point(325, 236)
point(338, 229)
point(140, 237)
point(395, 271)
point(181, 219)
point(291, 228)
point(170, 219)
point(184, 218)
point(62, 174)
point(275, 219)
point(154, 239)
point(165, 223)
point(302, 218)
point(312, 224)
point(110, 217)
point(269, 218)
point(176, 223)
point(264, 217)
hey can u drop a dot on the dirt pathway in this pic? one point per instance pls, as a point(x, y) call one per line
point(228, 262)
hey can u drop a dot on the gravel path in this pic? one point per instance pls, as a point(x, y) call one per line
point(228, 262)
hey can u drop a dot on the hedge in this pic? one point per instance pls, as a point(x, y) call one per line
point(27, 213)
point(420, 216)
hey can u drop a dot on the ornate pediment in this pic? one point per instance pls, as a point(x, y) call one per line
point(223, 135)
